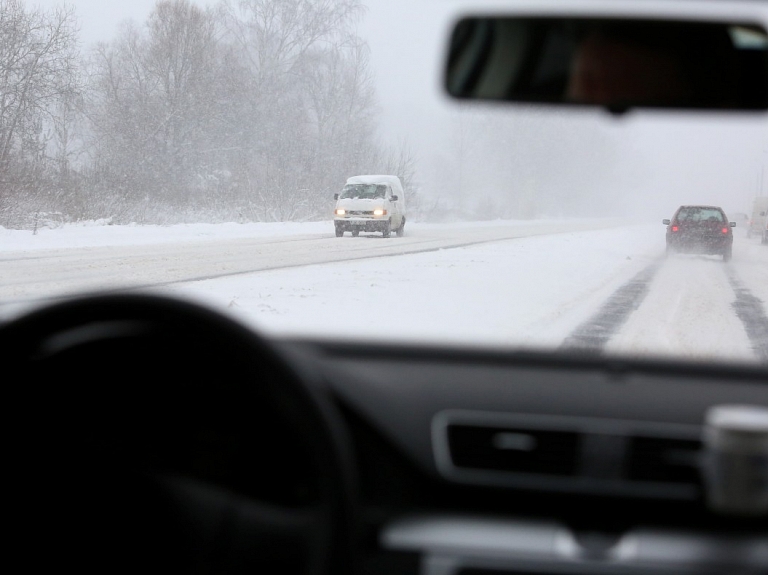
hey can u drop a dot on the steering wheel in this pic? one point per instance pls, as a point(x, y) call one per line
point(154, 433)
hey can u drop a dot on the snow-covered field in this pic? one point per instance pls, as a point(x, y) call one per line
point(101, 234)
point(487, 284)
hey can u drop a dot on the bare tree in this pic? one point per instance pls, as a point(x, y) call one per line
point(310, 100)
point(340, 100)
point(256, 111)
point(156, 102)
point(38, 71)
point(276, 34)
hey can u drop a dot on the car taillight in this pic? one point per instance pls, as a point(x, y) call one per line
point(725, 230)
point(675, 228)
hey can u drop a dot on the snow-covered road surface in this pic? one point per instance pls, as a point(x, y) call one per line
point(40, 270)
point(499, 284)
point(688, 309)
point(532, 292)
point(699, 307)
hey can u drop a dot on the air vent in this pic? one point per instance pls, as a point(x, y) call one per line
point(663, 460)
point(513, 449)
point(569, 454)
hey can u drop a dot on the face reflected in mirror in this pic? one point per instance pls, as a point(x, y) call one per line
point(608, 70)
point(615, 63)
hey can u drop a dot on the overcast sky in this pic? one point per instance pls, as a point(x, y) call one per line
point(659, 161)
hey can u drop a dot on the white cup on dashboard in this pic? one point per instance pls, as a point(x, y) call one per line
point(736, 460)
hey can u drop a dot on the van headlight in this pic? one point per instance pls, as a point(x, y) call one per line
point(379, 212)
point(340, 212)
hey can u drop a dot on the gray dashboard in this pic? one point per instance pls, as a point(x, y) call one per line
point(474, 420)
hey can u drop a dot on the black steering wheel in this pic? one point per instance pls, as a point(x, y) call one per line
point(153, 433)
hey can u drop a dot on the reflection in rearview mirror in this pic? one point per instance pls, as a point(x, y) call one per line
point(616, 63)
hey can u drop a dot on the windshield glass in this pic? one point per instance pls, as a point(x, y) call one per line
point(364, 191)
point(193, 148)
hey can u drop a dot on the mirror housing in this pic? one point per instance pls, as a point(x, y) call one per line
point(733, 224)
point(665, 222)
point(617, 63)
point(393, 199)
point(335, 196)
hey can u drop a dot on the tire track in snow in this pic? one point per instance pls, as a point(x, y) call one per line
point(595, 333)
point(749, 310)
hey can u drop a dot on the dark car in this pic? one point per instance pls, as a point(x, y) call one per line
point(700, 230)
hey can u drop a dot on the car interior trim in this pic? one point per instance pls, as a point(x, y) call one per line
point(589, 429)
point(450, 544)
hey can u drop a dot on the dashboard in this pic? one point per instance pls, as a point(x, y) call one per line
point(483, 462)
point(157, 431)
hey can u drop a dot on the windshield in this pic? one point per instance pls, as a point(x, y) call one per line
point(194, 148)
point(364, 191)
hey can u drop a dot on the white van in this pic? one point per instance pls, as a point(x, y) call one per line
point(370, 204)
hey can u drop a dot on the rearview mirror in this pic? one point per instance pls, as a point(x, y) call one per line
point(733, 224)
point(665, 222)
point(616, 63)
point(393, 199)
point(335, 196)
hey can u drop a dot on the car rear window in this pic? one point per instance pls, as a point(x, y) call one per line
point(694, 214)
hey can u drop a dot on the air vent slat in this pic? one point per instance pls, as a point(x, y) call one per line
point(663, 460)
point(513, 449)
point(569, 454)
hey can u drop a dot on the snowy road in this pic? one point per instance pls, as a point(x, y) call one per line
point(530, 291)
point(697, 306)
point(33, 273)
point(533, 284)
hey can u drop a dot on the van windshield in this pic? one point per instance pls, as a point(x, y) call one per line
point(364, 191)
